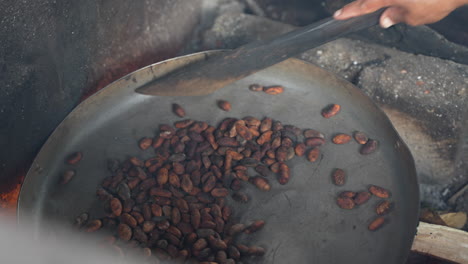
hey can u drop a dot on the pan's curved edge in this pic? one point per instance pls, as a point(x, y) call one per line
point(122, 82)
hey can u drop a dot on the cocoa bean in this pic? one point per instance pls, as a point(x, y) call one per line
point(256, 251)
point(139, 235)
point(338, 177)
point(311, 133)
point(313, 154)
point(254, 227)
point(345, 202)
point(264, 137)
point(219, 192)
point(74, 158)
point(148, 226)
point(139, 217)
point(183, 123)
point(314, 142)
point(274, 90)
point(370, 147)
point(300, 149)
point(341, 139)
point(163, 225)
point(175, 216)
point(262, 170)
point(284, 174)
point(362, 197)
point(163, 176)
point(360, 137)
point(200, 244)
point(186, 183)
point(116, 206)
point(376, 223)
point(93, 225)
point(67, 176)
point(124, 232)
point(348, 194)
point(217, 243)
point(260, 182)
point(331, 110)
point(384, 207)
point(129, 220)
point(156, 210)
point(379, 191)
point(178, 110)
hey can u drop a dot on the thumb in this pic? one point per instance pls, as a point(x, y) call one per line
point(392, 16)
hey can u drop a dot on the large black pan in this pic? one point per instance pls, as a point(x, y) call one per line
point(304, 225)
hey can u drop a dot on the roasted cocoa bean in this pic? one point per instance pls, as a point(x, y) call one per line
point(129, 220)
point(254, 227)
point(264, 137)
point(67, 176)
point(285, 174)
point(163, 225)
point(93, 225)
point(314, 142)
point(200, 244)
point(116, 206)
point(341, 139)
point(362, 197)
point(256, 251)
point(209, 184)
point(345, 202)
point(262, 170)
point(384, 207)
point(313, 155)
point(148, 226)
point(228, 142)
point(139, 235)
point(347, 194)
point(379, 191)
point(260, 182)
point(217, 243)
point(300, 149)
point(155, 191)
point(124, 232)
point(273, 90)
point(163, 176)
point(331, 110)
point(175, 216)
point(186, 183)
point(178, 110)
point(281, 154)
point(338, 177)
point(139, 217)
point(199, 127)
point(234, 253)
point(221, 256)
point(219, 192)
point(376, 223)
point(182, 205)
point(360, 137)
point(74, 158)
point(370, 147)
point(183, 124)
point(227, 211)
point(156, 210)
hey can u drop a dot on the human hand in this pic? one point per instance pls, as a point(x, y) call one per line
point(411, 12)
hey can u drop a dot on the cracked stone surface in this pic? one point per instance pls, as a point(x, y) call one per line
point(423, 96)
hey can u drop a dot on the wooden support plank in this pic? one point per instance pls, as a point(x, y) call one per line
point(442, 242)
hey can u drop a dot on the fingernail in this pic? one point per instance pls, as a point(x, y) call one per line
point(387, 22)
point(337, 13)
